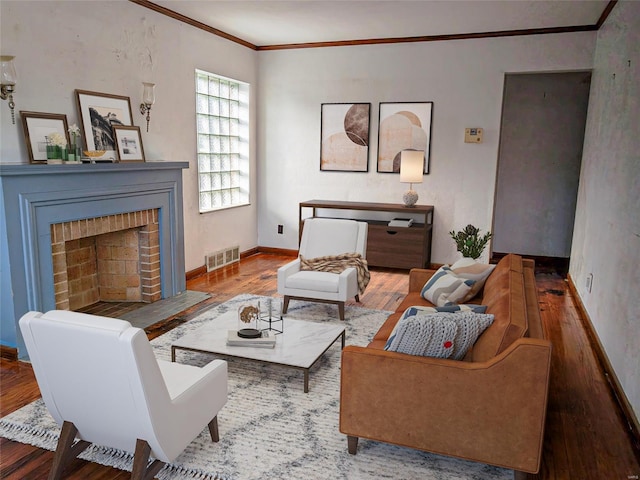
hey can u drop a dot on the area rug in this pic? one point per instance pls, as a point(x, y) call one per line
point(270, 429)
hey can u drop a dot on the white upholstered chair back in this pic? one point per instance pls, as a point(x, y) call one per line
point(329, 236)
point(101, 374)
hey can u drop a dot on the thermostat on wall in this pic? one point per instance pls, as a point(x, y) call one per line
point(472, 135)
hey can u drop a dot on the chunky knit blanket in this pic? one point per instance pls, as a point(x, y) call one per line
point(339, 263)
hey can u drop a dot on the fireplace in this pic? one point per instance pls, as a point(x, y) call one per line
point(75, 234)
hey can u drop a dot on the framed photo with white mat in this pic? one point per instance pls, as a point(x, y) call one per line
point(128, 144)
point(99, 113)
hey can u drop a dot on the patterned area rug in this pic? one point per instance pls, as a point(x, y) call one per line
point(269, 428)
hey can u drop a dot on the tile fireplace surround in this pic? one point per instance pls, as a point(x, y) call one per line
point(55, 216)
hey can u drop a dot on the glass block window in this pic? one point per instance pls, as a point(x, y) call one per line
point(222, 113)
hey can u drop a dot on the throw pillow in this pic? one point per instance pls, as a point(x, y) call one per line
point(447, 309)
point(426, 332)
point(415, 336)
point(472, 270)
point(470, 327)
point(445, 287)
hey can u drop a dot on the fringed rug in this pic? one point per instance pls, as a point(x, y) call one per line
point(270, 429)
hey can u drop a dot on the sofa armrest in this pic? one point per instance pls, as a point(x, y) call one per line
point(492, 412)
point(418, 277)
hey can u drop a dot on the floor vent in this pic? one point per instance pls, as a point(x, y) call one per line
point(222, 257)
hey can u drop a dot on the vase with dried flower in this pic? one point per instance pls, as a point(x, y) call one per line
point(74, 147)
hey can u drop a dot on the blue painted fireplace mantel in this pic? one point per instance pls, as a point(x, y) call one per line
point(32, 197)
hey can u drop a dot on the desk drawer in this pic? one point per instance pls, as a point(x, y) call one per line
point(395, 247)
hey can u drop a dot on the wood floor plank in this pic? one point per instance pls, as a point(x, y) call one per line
point(585, 436)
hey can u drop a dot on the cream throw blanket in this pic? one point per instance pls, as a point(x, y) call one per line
point(339, 263)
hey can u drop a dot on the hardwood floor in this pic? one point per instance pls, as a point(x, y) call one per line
point(585, 434)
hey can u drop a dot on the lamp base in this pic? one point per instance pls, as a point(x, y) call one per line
point(410, 198)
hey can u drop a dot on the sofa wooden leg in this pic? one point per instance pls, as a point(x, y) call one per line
point(140, 470)
point(213, 429)
point(66, 450)
point(341, 310)
point(352, 444)
point(358, 298)
point(285, 304)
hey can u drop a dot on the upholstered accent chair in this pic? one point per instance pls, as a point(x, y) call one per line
point(101, 381)
point(323, 237)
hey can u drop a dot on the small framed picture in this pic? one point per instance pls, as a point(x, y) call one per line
point(38, 127)
point(99, 113)
point(128, 144)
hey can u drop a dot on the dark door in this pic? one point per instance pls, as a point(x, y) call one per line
point(541, 137)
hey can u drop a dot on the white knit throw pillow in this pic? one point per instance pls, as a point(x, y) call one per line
point(415, 336)
point(441, 335)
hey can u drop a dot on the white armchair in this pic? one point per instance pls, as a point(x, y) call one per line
point(323, 237)
point(102, 383)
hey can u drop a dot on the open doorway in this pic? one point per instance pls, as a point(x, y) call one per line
point(541, 139)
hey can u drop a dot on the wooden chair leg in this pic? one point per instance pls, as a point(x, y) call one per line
point(285, 304)
point(352, 444)
point(341, 310)
point(140, 470)
point(66, 451)
point(213, 429)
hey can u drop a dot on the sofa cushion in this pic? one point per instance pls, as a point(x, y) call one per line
point(470, 269)
point(412, 300)
point(445, 287)
point(508, 305)
point(387, 327)
point(427, 336)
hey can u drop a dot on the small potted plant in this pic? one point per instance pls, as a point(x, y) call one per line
point(56, 147)
point(468, 241)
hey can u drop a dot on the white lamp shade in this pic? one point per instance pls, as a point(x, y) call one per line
point(148, 95)
point(8, 71)
point(411, 166)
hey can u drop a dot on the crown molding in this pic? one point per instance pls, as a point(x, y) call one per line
point(377, 41)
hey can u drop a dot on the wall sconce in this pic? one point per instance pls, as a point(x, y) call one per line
point(8, 82)
point(411, 168)
point(148, 98)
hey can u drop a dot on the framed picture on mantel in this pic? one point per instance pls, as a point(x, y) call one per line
point(403, 126)
point(128, 144)
point(37, 127)
point(99, 113)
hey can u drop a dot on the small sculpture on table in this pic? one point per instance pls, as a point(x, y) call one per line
point(248, 319)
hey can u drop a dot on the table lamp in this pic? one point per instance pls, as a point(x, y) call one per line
point(411, 168)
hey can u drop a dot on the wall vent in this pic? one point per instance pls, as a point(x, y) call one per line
point(222, 257)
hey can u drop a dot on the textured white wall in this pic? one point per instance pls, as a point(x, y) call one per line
point(606, 238)
point(111, 47)
point(463, 78)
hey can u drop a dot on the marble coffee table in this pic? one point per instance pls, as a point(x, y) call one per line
point(300, 345)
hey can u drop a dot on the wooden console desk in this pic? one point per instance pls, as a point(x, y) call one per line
point(393, 247)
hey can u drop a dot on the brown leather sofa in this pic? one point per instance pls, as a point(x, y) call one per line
point(489, 407)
